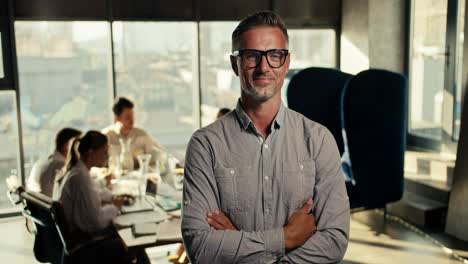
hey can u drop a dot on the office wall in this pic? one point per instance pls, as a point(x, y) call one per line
point(387, 34)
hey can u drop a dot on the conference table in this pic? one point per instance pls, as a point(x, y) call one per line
point(168, 223)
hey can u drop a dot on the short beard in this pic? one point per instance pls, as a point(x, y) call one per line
point(258, 97)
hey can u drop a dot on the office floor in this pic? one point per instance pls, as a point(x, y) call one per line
point(396, 245)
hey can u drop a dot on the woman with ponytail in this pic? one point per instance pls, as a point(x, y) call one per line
point(86, 210)
point(80, 198)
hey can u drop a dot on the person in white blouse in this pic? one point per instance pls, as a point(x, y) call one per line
point(123, 128)
point(44, 171)
point(86, 208)
point(89, 209)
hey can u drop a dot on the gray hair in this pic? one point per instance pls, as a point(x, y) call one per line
point(264, 18)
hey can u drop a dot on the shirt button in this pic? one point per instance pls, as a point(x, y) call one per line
point(267, 210)
point(266, 146)
point(266, 178)
point(301, 166)
point(232, 172)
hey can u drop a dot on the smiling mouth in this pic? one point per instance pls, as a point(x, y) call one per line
point(263, 79)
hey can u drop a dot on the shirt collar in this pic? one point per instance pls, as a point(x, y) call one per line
point(245, 120)
point(58, 156)
point(116, 129)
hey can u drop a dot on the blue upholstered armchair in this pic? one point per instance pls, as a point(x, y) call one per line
point(316, 93)
point(374, 115)
point(372, 108)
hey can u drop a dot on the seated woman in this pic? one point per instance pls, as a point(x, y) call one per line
point(85, 211)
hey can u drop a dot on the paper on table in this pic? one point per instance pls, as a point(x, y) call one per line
point(141, 217)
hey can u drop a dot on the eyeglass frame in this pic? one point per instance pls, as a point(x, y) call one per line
point(238, 53)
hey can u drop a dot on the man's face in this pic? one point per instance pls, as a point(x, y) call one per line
point(126, 118)
point(261, 82)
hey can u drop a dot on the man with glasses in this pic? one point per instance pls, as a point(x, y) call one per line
point(264, 183)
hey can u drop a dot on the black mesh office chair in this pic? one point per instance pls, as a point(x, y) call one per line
point(55, 244)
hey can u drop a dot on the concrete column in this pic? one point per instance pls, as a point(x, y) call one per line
point(457, 216)
point(373, 35)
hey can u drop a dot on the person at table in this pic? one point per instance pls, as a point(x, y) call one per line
point(222, 112)
point(124, 129)
point(87, 214)
point(84, 207)
point(44, 171)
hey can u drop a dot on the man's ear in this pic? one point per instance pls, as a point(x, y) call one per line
point(288, 61)
point(234, 65)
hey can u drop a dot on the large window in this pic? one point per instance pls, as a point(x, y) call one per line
point(2, 74)
point(156, 65)
point(427, 68)
point(65, 78)
point(8, 143)
point(220, 86)
point(310, 48)
point(459, 68)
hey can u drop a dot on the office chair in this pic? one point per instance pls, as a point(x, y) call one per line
point(54, 243)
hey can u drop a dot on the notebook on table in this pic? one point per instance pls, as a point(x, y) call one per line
point(144, 229)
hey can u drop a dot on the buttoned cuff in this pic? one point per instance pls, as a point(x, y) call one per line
point(274, 243)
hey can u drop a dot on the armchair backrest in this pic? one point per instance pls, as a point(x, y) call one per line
point(374, 106)
point(316, 93)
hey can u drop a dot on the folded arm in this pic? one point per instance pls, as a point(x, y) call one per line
point(331, 209)
point(205, 244)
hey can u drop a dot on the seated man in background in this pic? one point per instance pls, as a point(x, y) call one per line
point(222, 112)
point(43, 173)
point(123, 128)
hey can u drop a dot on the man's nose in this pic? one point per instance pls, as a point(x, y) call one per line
point(263, 65)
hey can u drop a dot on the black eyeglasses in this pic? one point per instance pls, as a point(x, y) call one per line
point(251, 58)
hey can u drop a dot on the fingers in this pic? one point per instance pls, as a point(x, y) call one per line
point(220, 218)
point(216, 225)
point(220, 221)
point(307, 207)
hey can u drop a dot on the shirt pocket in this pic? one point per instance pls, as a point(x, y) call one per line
point(298, 183)
point(236, 188)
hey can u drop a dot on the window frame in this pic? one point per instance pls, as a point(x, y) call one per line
point(448, 142)
point(11, 78)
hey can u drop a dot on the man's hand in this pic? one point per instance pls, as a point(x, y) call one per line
point(219, 221)
point(109, 179)
point(121, 200)
point(300, 227)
